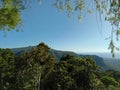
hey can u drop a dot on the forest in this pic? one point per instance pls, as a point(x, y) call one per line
point(38, 69)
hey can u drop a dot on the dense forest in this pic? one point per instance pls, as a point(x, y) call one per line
point(38, 69)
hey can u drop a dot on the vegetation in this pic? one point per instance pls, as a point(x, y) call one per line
point(39, 70)
point(10, 13)
point(58, 54)
point(112, 63)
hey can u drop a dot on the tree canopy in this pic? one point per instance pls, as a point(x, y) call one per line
point(38, 69)
point(10, 13)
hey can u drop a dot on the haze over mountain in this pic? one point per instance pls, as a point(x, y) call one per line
point(104, 54)
point(58, 54)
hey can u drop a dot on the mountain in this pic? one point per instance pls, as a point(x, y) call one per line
point(99, 61)
point(112, 63)
point(58, 54)
point(18, 51)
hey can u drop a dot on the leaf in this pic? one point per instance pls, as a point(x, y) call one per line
point(90, 11)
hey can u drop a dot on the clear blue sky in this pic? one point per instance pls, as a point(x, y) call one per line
point(44, 23)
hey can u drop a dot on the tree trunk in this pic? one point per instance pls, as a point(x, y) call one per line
point(38, 81)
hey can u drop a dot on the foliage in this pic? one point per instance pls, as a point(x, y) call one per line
point(10, 13)
point(6, 69)
point(109, 8)
point(73, 73)
point(111, 79)
point(58, 54)
point(38, 70)
point(37, 63)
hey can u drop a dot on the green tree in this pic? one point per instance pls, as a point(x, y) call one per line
point(33, 67)
point(73, 73)
point(14, 7)
point(6, 69)
point(109, 81)
point(60, 78)
point(10, 13)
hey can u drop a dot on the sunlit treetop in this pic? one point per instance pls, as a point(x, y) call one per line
point(10, 14)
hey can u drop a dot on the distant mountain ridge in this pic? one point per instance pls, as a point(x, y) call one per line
point(58, 54)
point(18, 51)
point(112, 63)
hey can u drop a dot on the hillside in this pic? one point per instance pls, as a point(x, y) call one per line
point(112, 63)
point(18, 51)
point(58, 54)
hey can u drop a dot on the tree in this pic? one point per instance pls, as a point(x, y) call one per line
point(10, 8)
point(33, 68)
point(111, 9)
point(6, 69)
point(109, 81)
point(10, 13)
point(73, 73)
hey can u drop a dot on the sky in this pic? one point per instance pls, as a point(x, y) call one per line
point(44, 23)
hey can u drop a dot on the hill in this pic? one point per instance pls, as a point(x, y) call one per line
point(112, 63)
point(58, 54)
point(18, 51)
